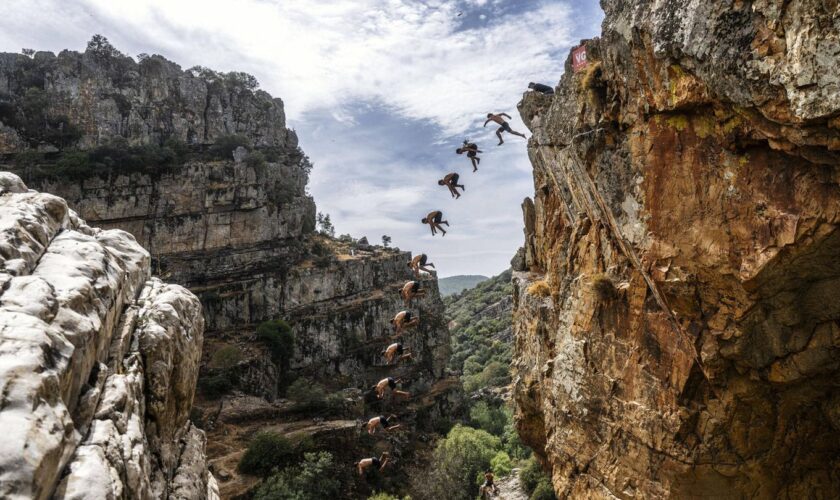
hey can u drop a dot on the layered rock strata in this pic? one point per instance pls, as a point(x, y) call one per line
point(99, 361)
point(677, 333)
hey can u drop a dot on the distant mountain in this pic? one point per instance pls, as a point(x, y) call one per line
point(455, 284)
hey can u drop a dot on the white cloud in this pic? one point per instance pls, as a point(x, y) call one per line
point(432, 76)
point(412, 56)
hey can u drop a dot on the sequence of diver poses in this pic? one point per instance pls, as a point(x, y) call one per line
point(396, 353)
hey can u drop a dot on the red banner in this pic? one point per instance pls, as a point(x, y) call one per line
point(578, 58)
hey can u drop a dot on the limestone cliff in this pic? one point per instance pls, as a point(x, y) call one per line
point(200, 168)
point(98, 362)
point(676, 312)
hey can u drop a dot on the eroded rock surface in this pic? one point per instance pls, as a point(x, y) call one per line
point(103, 94)
point(98, 362)
point(677, 334)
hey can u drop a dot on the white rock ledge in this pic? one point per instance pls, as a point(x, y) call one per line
point(98, 362)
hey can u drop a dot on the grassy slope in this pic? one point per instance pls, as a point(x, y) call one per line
point(480, 325)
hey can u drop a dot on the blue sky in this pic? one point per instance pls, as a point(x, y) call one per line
point(380, 92)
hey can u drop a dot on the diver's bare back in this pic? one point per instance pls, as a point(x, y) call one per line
point(498, 119)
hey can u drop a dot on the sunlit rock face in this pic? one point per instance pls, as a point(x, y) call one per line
point(677, 322)
point(98, 361)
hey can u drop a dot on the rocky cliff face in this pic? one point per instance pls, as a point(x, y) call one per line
point(675, 313)
point(200, 168)
point(86, 99)
point(98, 362)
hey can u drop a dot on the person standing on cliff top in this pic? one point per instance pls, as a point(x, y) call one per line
point(434, 220)
point(383, 422)
point(389, 384)
point(396, 350)
point(472, 153)
point(539, 87)
point(451, 182)
point(410, 290)
point(420, 262)
point(505, 127)
point(377, 463)
point(402, 321)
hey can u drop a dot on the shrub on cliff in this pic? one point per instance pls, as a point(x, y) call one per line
point(604, 287)
point(225, 145)
point(266, 451)
point(513, 444)
point(315, 478)
point(256, 160)
point(543, 491)
point(278, 336)
point(74, 165)
point(226, 357)
point(532, 475)
point(539, 288)
point(310, 396)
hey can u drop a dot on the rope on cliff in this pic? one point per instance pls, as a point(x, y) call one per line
point(583, 178)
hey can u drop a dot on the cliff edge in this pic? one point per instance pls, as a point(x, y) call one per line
point(675, 310)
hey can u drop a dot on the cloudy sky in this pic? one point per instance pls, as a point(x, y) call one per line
point(380, 92)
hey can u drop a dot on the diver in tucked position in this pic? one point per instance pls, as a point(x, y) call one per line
point(420, 262)
point(395, 353)
point(435, 220)
point(377, 463)
point(389, 384)
point(383, 422)
point(472, 153)
point(410, 290)
point(404, 320)
point(451, 182)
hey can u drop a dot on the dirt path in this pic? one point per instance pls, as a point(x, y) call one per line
point(509, 488)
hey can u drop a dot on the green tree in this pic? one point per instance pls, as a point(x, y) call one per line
point(386, 241)
point(225, 145)
point(266, 451)
point(531, 475)
point(490, 418)
point(543, 491)
point(241, 80)
point(459, 459)
point(325, 225)
point(306, 393)
point(314, 479)
point(513, 444)
point(101, 48)
point(501, 464)
point(278, 335)
point(226, 357)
